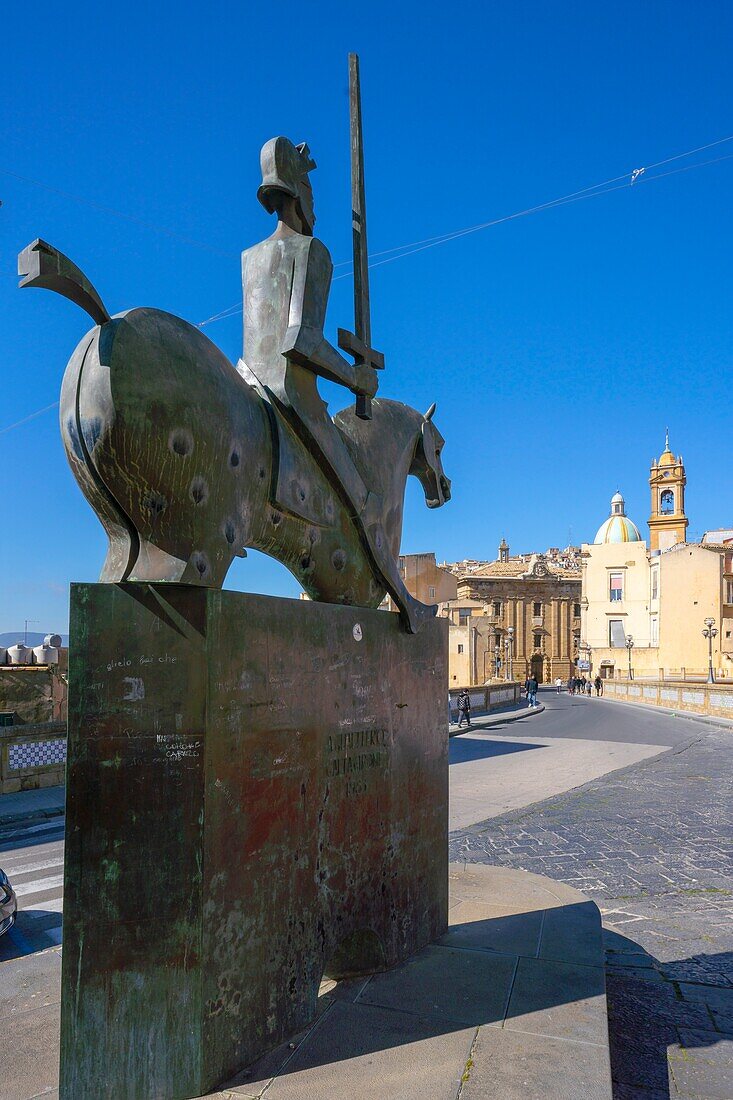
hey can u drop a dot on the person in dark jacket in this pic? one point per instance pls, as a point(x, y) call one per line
point(532, 687)
point(464, 708)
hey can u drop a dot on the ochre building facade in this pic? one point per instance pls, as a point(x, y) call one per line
point(645, 604)
point(513, 617)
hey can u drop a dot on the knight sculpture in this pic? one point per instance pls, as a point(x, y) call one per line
point(270, 776)
point(183, 486)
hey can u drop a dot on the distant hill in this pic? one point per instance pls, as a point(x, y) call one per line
point(34, 638)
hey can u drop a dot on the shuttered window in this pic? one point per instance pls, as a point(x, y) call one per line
point(617, 637)
point(616, 587)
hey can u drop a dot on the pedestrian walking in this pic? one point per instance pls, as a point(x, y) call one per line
point(532, 687)
point(589, 687)
point(464, 708)
point(571, 685)
point(599, 686)
point(558, 685)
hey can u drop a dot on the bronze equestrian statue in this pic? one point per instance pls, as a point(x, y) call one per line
point(187, 461)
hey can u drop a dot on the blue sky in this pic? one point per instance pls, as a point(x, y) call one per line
point(557, 346)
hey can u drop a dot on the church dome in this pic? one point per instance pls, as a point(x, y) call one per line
point(618, 527)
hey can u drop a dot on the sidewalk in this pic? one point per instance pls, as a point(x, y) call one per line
point(497, 717)
point(29, 805)
point(509, 1003)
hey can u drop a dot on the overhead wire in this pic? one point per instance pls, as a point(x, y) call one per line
point(401, 251)
point(593, 191)
point(31, 416)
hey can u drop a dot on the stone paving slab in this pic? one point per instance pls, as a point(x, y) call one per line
point(506, 1067)
point(491, 1018)
point(651, 845)
point(702, 1064)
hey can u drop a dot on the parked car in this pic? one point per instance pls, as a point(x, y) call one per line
point(8, 903)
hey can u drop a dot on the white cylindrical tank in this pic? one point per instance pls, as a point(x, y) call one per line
point(46, 654)
point(20, 654)
point(53, 640)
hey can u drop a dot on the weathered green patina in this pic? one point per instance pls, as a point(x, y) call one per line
point(257, 796)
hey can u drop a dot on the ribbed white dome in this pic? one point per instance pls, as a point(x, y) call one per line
point(618, 527)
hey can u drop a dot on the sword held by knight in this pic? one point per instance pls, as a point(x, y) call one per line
point(187, 460)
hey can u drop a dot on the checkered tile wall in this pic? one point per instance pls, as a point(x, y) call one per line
point(34, 754)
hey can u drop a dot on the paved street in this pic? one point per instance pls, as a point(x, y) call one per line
point(647, 836)
point(30, 958)
point(651, 844)
point(33, 858)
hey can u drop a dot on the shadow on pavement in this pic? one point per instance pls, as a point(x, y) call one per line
point(459, 750)
point(659, 1014)
point(13, 837)
point(34, 930)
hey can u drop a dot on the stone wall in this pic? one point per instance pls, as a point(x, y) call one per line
point(32, 756)
point(713, 699)
point(33, 693)
point(486, 698)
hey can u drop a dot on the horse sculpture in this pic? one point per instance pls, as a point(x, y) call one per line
point(178, 453)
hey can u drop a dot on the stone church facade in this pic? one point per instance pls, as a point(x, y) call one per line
point(518, 615)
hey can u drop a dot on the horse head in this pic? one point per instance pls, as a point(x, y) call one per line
point(427, 463)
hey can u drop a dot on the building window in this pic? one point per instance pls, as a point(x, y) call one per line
point(460, 649)
point(666, 502)
point(576, 610)
point(538, 641)
point(537, 609)
point(654, 631)
point(464, 614)
point(655, 584)
point(616, 587)
point(431, 592)
point(616, 634)
point(729, 592)
point(497, 608)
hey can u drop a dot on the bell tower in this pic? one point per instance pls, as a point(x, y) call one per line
point(667, 480)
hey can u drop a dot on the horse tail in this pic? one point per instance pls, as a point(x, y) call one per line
point(42, 265)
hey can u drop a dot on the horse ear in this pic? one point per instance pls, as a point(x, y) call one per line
point(429, 413)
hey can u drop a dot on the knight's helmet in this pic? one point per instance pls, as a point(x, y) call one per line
point(285, 167)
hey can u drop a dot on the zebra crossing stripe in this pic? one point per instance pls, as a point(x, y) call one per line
point(38, 886)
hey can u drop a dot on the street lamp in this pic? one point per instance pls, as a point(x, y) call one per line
point(710, 632)
point(629, 643)
point(510, 650)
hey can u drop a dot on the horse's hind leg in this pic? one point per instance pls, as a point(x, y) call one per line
point(154, 564)
point(121, 553)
